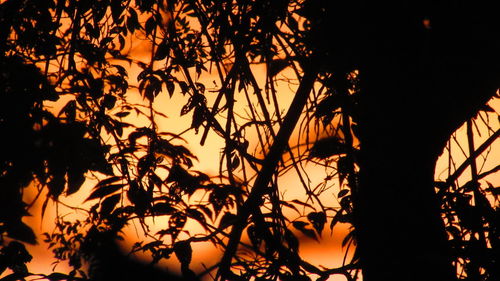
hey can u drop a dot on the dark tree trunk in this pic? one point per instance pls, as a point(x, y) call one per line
point(420, 81)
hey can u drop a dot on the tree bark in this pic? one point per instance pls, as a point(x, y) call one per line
point(420, 80)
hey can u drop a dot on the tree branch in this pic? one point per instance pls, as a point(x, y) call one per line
point(265, 174)
point(468, 162)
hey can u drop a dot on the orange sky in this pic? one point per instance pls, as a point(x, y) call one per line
point(327, 253)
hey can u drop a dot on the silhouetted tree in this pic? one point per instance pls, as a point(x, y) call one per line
point(399, 78)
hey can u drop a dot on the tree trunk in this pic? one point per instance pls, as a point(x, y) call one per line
point(420, 80)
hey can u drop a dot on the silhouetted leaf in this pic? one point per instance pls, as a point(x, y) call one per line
point(301, 226)
point(343, 168)
point(184, 252)
point(116, 11)
point(109, 204)
point(107, 181)
point(170, 88)
point(122, 114)
point(227, 220)
point(235, 162)
point(163, 208)
point(109, 101)
point(150, 25)
point(296, 201)
point(198, 216)
point(162, 50)
point(342, 193)
point(102, 191)
point(292, 241)
point(21, 231)
point(327, 147)
point(57, 276)
point(276, 66)
point(76, 178)
point(318, 220)
point(133, 20)
point(56, 185)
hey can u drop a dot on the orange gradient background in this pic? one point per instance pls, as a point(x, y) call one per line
point(327, 252)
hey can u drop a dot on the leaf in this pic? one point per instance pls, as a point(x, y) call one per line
point(150, 25)
point(342, 193)
point(296, 201)
point(122, 114)
point(343, 167)
point(170, 88)
point(21, 231)
point(104, 190)
point(56, 185)
point(292, 241)
point(116, 11)
point(162, 51)
point(318, 220)
point(163, 208)
point(227, 220)
point(301, 226)
point(144, 165)
point(132, 20)
point(184, 252)
point(235, 162)
point(291, 206)
point(329, 104)
point(109, 101)
point(198, 216)
point(69, 110)
point(76, 177)
point(57, 276)
point(276, 66)
point(327, 147)
point(107, 181)
point(109, 204)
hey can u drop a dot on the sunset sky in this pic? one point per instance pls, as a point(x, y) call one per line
point(328, 251)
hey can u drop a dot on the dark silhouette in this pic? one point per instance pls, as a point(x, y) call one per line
point(106, 261)
point(400, 77)
point(421, 81)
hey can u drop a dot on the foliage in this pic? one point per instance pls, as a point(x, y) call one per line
point(78, 52)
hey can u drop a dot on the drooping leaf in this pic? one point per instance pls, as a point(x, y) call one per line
point(109, 204)
point(76, 177)
point(107, 181)
point(102, 191)
point(150, 25)
point(198, 216)
point(170, 88)
point(184, 252)
point(56, 185)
